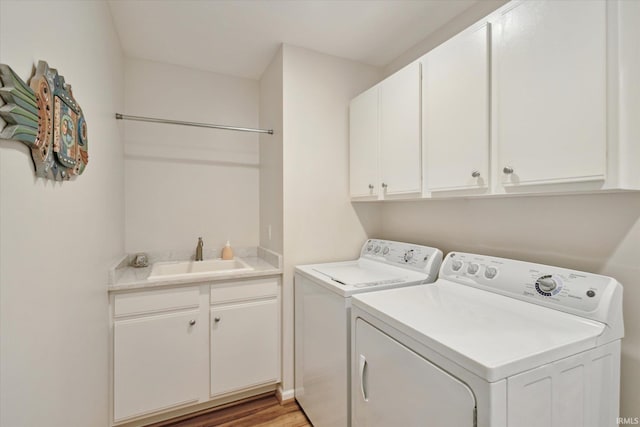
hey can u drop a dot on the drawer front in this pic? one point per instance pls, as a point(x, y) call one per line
point(129, 304)
point(244, 290)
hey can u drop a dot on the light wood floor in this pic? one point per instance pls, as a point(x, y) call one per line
point(262, 412)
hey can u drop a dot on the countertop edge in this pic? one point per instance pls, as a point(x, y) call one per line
point(126, 278)
point(146, 285)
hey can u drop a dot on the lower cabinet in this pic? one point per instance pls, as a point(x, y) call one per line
point(176, 347)
point(244, 345)
point(156, 363)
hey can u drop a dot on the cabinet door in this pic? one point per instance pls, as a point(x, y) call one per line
point(455, 99)
point(393, 386)
point(550, 88)
point(244, 345)
point(400, 160)
point(156, 363)
point(363, 144)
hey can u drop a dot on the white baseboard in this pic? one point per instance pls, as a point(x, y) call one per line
point(284, 395)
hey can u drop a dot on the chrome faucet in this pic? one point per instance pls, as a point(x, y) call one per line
point(199, 249)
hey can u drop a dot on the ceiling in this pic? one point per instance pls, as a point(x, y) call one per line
point(240, 37)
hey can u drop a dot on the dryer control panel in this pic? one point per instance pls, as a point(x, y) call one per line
point(406, 255)
point(586, 294)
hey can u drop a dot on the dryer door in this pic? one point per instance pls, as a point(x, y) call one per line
point(393, 386)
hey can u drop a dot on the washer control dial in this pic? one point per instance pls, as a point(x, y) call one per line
point(377, 249)
point(385, 250)
point(408, 255)
point(473, 268)
point(456, 265)
point(490, 272)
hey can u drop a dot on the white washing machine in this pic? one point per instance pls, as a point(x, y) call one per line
point(323, 319)
point(494, 343)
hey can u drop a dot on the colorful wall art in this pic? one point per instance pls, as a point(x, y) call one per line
point(45, 116)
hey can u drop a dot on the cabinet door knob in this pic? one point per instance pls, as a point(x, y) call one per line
point(216, 319)
point(384, 185)
point(370, 186)
point(508, 170)
point(192, 322)
point(475, 174)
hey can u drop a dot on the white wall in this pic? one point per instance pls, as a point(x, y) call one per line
point(320, 224)
point(58, 240)
point(185, 182)
point(271, 111)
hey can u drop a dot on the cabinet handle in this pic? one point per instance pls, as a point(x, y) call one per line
point(192, 322)
point(217, 319)
point(384, 185)
point(475, 174)
point(363, 366)
point(370, 186)
point(508, 170)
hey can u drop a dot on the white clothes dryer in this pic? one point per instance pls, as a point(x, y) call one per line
point(492, 343)
point(323, 319)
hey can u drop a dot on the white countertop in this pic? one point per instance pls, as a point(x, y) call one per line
point(126, 278)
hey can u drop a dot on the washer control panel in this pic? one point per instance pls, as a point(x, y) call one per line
point(546, 285)
point(407, 255)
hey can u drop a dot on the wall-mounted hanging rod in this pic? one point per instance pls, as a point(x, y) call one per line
point(200, 125)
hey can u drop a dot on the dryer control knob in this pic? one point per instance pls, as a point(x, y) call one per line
point(547, 284)
point(456, 265)
point(473, 268)
point(385, 250)
point(490, 272)
point(377, 249)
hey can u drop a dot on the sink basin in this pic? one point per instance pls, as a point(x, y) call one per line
point(186, 269)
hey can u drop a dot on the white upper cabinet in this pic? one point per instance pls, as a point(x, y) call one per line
point(400, 160)
point(538, 97)
point(363, 144)
point(455, 113)
point(626, 173)
point(384, 142)
point(550, 89)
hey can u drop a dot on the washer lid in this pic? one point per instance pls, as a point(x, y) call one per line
point(491, 335)
point(351, 277)
point(355, 275)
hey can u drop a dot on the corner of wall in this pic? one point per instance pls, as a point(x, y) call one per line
point(271, 155)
